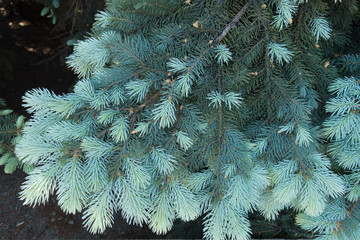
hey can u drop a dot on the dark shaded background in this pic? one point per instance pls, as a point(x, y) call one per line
point(27, 53)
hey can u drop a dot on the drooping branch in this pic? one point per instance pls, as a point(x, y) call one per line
point(349, 211)
point(233, 22)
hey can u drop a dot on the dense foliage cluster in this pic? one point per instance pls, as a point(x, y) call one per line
point(10, 133)
point(213, 108)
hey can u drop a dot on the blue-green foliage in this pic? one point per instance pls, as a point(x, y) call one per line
point(285, 11)
point(10, 133)
point(340, 220)
point(167, 122)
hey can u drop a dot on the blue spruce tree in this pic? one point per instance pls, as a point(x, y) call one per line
point(214, 108)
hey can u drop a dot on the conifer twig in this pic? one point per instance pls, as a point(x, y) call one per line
point(145, 103)
point(233, 22)
point(348, 214)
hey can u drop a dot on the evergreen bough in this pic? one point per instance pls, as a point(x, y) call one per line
point(10, 133)
point(214, 108)
point(341, 217)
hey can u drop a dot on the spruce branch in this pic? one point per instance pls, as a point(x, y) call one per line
point(220, 135)
point(349, 212)
point(127, 52)
point(267, 71)
point(133, 112)
point(284, 93)
point(233, 22)
point(144, 104)
point(300, 157)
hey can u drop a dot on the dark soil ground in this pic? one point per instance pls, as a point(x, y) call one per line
point(48, 221)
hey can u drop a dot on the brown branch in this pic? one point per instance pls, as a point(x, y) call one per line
point(126, 20)
point(217, 189)
point(133, 112)
point(145, 103)
point(233, 22)
point(348, 214)
point(128, 52)
point(197, 60)
point(268, 72)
